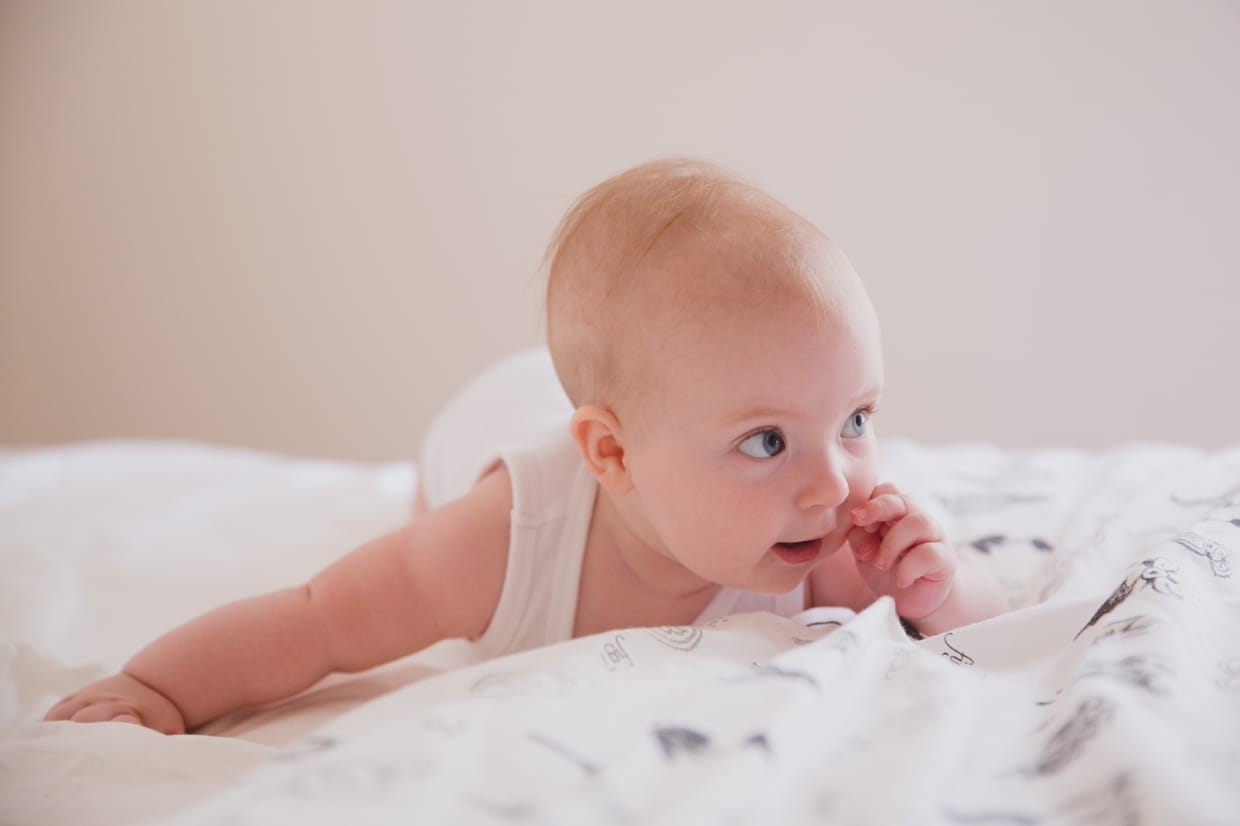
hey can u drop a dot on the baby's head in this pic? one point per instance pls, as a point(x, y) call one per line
point(724, 361)
point(672, 248)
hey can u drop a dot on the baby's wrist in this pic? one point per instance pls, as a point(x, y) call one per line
point(973, 595)
point(935, 617)
point(166, 716)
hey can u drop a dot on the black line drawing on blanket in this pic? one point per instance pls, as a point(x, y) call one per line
point(761, 671)
point(1103, 526)
point(679, 637)
point(832, 624)
point(1111, 803)
point(1052, 701)
point(587, 768)
point(758, 741)
point(677, 740)
point(1121, 593)
point(1157, 573)
point(987, 543)
point(307, 746)
point(608, 806)
point(1228, 498)
point(1134, 626)
point(898, 660)
point(446, 726)
point(955, 655)
point(1229, 674)
point(1146, 671)
point(614, 654)
point(507, 684)
point(1114, 803)
point(1161, 575)
point(1214, 552)
point(844, 641)
point(1089, 718)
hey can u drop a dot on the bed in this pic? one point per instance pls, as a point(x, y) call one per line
point(1110, 695)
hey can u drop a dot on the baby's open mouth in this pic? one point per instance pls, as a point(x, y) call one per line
point(800, 552)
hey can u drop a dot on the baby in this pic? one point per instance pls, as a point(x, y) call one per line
point(722, 365)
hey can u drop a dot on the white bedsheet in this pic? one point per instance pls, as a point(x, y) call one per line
point(1111, 695)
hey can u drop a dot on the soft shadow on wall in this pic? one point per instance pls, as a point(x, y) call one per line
point(300, 225)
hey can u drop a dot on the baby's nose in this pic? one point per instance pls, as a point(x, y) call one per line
point(826, 487)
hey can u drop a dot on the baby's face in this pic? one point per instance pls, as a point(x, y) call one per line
point(759, 442)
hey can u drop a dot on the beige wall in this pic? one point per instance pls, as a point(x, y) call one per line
point(299, 225)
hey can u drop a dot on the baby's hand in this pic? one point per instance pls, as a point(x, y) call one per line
point(901, 552)
point(120, 698)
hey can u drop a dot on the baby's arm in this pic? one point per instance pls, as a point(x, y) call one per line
point(438, 577)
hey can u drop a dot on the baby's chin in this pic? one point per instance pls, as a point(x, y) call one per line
point(775, 577)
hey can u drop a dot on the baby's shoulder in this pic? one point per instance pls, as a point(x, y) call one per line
point(459, 553)
point(544, 472)
point(479, 521)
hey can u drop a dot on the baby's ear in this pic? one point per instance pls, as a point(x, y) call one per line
point(598, 435)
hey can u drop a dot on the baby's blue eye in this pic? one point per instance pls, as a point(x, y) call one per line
point(856, 425)
point(763, 444)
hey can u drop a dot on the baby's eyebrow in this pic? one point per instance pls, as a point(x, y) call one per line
point(871, 394)
point(771, 412)
point(757, 413)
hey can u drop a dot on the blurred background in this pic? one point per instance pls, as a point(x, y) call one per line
point(299, 225)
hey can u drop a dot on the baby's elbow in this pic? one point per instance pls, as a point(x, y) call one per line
point(321, 634)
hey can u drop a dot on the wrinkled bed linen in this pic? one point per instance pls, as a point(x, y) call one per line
point(1111, 694)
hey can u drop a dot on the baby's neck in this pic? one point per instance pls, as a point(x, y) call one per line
point(626, 584)
point(616, 546)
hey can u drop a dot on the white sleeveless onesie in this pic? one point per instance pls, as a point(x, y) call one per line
point(516, 413)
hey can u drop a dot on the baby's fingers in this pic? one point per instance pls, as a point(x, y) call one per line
point(66, 708)
point(882, 507)
point(863, 543)
point(106, 712)
point(915, 529)
point(934, 561)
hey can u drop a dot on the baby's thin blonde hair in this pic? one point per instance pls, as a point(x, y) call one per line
point(599, 298)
